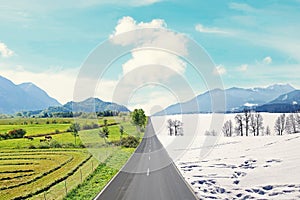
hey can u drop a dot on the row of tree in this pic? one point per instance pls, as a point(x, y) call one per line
point(175, 127)
point(249, 123)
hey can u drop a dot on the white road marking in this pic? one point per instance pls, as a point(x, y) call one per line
point(149, 157)
point(148, 171)
point(149, 150)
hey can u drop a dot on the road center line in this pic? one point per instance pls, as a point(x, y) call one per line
point(148, 171)
point(149, 157)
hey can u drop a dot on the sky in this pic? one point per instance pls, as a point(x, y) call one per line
point(251, 43)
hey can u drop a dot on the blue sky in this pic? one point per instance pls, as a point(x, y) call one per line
point(253, 43)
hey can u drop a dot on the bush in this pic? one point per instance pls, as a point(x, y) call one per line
point(54, 144)
point(31, 146)
point(130, 142)
point(18, 133)
point(43, 145)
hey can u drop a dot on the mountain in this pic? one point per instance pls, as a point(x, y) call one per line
point(88, 105)
point(289, 102)
point(26, 96)
point(236, 99)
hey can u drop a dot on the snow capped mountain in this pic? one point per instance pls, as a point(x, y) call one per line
point(236, 99)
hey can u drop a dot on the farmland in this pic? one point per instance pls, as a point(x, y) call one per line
point(50, 169)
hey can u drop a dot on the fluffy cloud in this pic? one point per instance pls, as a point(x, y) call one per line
point(154, 57)
point(219, 70)
point(142, 34)
point(243, 68)
point(200, 28)
point(153, 35)
point(267, 60)
point(5, 51)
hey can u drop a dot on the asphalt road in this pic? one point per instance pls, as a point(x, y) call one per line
point(150, 174)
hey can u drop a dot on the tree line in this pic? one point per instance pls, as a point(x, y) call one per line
point(252, 123)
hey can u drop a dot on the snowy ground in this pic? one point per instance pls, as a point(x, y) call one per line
point(265, 167)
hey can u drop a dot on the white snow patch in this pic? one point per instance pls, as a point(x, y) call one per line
point(264, 167)
point(250, 104)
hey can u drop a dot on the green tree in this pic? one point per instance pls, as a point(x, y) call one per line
point(138, 118)
point(75, 128)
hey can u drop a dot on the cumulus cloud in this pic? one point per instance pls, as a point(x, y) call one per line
point(219, 70)
point(154, 57)
point(243, 68)
point(148, 49)
point(5, 51)
point(141, 34)
point(267, 60)
point(202, 29)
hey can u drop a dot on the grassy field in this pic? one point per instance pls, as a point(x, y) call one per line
point(102, 175)
point(36, 170)
point(26, 173)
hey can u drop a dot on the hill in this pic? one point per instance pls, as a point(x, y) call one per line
point(23, 97)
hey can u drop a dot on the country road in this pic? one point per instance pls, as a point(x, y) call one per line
point(149, 174)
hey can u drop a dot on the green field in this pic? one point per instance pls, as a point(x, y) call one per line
point(36, 170)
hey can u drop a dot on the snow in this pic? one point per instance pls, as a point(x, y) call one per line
point(285, 97)
point(295, 102)
point(250, 104)
point(264, 167)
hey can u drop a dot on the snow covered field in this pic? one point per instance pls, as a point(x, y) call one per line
point(262, 167)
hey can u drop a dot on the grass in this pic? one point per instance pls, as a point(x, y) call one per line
point(47, 173)
point(48, 168)
point(102, 175)
point(35, 129)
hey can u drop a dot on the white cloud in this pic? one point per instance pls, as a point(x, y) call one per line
point(154, 57)
point(219, 70)
point(241, 7)
point(148, 50)
point(200, 28)
point(267, 60)
point(144, 34)
point(243, 68)
point(5, 51)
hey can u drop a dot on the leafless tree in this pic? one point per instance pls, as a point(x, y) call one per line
point(259, 123)
point(280, 124)
point(291, 123)
point(268, 131)
point(177, 127)
point(253, 125)
point(170, 126)
point(240, 126)
point(247, 116)
point(227, 128)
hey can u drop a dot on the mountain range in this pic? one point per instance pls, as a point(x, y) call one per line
point(236, 100)
point(88, 105)
point(25, 96)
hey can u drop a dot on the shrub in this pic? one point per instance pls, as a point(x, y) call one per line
point(130, 142)
point(54, 144)
point(43, 145)
point(18, 133)
point(31, 146)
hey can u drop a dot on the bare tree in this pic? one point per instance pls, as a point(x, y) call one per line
point(239, 120)
point(227, 128)
point(259, 123)
point(247, 116)
point(291, 123)
point(253, 125)
point(177, 127)
point(170, 126)
point(280, 124)
point(268, 131)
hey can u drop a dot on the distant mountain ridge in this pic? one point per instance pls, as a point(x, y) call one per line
point(23, 97)
point(236, 99)
point(289, 102)
point(88, 105)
